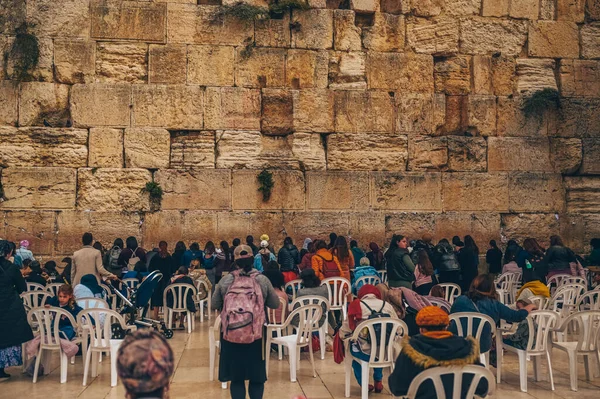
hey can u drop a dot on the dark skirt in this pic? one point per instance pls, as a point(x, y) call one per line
point(242, 362)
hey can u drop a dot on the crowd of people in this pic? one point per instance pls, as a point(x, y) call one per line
point(252, 278)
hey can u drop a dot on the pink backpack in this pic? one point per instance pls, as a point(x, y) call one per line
point(243, 314)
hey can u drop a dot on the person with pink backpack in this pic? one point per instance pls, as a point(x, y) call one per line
point(241, 296)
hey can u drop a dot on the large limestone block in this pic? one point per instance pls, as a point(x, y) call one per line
point(238, 149)
point(366, 151)
point(43, 147)
point(168, 106)
point(337, 190)
point(273, 32)
point(163, 226)
point(513, 122)
point(410, 224)
point(9, 100)
point(547, 9)
point(167, 64)
point(525, 225)
point(287, 192)
point(571, 10)
point(300, 225)
point(192, 150)
point(106, 148)
point(108, 189)
point(67, 18)
point(232, 108)
point(211, 65)
point(519, 153)
point(37, 227)
point(503, 75)
point(536, 192)
point(100, 105)
point(200, 189)
point(347, 70)
point(591, 156)
point(395, 6)
point(467, 154)
point(580, 78)
point(406, 191)
point(566, 154)
point(315, 29)
point(306, 69)
point(367, 227)
point(592, 10)
point(452, 75)
point(43, 72)
point(427, 153)
point(148, 148)
point(427, 8)
point(482, 75)
point(583, 194)
point(14, 14)
point(193, 24)
point(526, 9)
point(43, 102)
point(309, 149)
point(437, 37)
point(481, 114)
point(364, 6)
point(590, 40)
point(39, 188)
point(354, 111)
point(130, 20)
point(242, 224)
point(578, 117)
point(412, 72)
point(122, 62)
point(535, 75)
point(74, 60)
point(262, 67)
point(386, 33)
point(482, 226)
point(489, 36)
point(459, 8)
point(105, 226)
point(419, 113)
point(347, 36)
point(553, 39)
point(495, 8)
point(305, 104)
point(475, 192)
point(277, 117)
point(456, 121)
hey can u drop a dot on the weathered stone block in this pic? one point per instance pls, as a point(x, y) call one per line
point(306, 69)
point(495, 8)
point(592, 10)
point(277, 116)
point(527, 154)
point(211, 65)
point(488, 36)
point(232, 108)
point(108, 189)
point(524, 225)
point(262, 67)
point(482, 226)
point(419, 113)
point(347, 36)
point(193, 219)
point(578, 117)
point(535, 75)
point(9, 99)
point(347, 70)
point(192, 150)
point(172, 106)
point(106, 148)
point(240, 224)
point(305, 102)
point(503, 75)
point(412, 72)
point(536, 192)
point(163, 225)
point(406, 191)
point(200, 189)
point(437, 37)
point(457, 115)
point(386, 33)
point(482, 75)
point(467, 154)
point(300, 225)
point(122, 62)
point(167, 64)
point(566, 154)
point(411, 224)
point(309, 149)
point(353, 111)
point(39, 188)
point(273, 32)
point(148, 148)
point(527, 9)
point(367, 227)
point(238, 149)
point(316, 30)
point(475, 191)
point(337, 190)
point(591, 156)
point(43, 147)
point(364, 5)
point(70, 18)
point(287, 192)
point(571, 10)
point(547, 9)
point(74, 60)
point(129, 20)
point(590, 40)
point(14, 14)
point(100, 105)
point(427, 153)
point(481, 114)
point(513, 122)
point(37, 227)
point(452, 75)
point(42, 72)
point(43, 102)
point(553, 39)
point(427, 8)
point(395, 6)
point(583, 194)
point(462, 7)
point(580, 78)
point(366, 151)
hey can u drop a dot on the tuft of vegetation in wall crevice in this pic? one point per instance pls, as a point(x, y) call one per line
point(266, 184)
point(155, 192)
point(535, 104)
point(24, 54)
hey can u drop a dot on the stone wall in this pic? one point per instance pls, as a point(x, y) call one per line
point(375, 116)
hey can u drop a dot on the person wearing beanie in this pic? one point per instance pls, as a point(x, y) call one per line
point(434, 347)
point(264, 256)
point(23, 252)
point(364, 269)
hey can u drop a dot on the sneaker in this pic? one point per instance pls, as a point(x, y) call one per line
point(378, 386)
point(371, 388)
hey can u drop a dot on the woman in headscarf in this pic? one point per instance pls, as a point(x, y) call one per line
point(164, 264)
point(376, 258)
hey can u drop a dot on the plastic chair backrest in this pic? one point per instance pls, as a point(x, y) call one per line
point(35, 287)
point(373, 280)
point(199, 283)
point(439, 303)
point(471, 317)
point(215, 332)
point(92, 303)
point(540, 301)
point(556, 279)
point(179, 292)
point(590, 301)
point(309, 316)
point(48, 323)
point(542, 322)
point(35, 299)
point(452, 291)
point(572, 280)
point(312, 300)
point(131, 282)
point(295, 285)
point(458, 372)
point(53, 288)
point(383, 275)
point(567, 296)
point(337, 290)
point(271, 316)
point(588, 329)
point(382, 355)
point(100, 333)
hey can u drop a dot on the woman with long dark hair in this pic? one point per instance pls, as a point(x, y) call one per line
point(208, 261)
point(531, 261)
point(132, 254)
point(375, 256)
point(177, 255)
point(493, 257)
point(400, 267)
point(425, 278)
point(223, 261)
point(468, 257)
point(344, 256)
point(558, 257)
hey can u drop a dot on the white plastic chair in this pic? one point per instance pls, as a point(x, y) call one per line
point(439, 303)
point(588, 327)
point(564, 302)
point(541, 323)
point(35, 299)
point(322, 329)
point(201, 302)
point(308, 316)
point(475, 332)
point(294, 285)
point(274, 325)
point(53, 288)
point(131, 282)
point(382, 349)
point(373, 280)
point(35, 287)
point(179, 292)
point(435, 374)
point(507, 283)
point(553, 282)
point(451, 290)
point(541, 302)
point(572, 280)
point(588, 301)
point(92, 303)
point(47, 321)
point(338, 289)
point(383, 275)
point(214, 346)
point(112, 298)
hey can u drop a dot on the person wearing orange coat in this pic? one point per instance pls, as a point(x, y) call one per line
point(341, 251)
point(320, 257)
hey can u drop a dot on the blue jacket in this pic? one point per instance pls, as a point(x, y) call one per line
point(492, 308)
point(189, 256)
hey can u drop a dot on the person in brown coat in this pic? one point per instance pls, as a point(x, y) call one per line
point(88, 260)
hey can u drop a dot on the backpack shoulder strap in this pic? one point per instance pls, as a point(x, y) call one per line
point(368, 307)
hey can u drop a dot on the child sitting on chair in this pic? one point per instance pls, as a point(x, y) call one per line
point(520, 337)
point(195, 274)
point(65, 300)
point(182, 278)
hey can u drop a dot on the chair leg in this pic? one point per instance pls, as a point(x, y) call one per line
point(322, 335)
point(114, 349)
point(279, 347)
point(537, 370)
point(293, 363)
point(223, 385)
point(550, 369)
point(364, 370)
point(588, 368)
point(523, 370)
point(573, 369)
point(312, 360)
point(86, 367)
point(95, 364)
point(64, 367)
point(211, 360)
point(201, 309)
point(348, 375)
point(37, 365)
point(499, 358)
point(268, 353)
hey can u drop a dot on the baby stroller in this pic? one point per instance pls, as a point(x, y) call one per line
point(136, 306)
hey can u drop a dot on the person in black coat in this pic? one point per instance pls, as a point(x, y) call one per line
point(35, 276)
point(164, 264)
point(288, 256)
point(493, 258)
point(14, 328)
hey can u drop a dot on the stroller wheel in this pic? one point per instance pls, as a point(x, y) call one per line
point(167, 333)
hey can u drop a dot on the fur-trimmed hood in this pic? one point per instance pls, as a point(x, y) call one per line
point(429, 352)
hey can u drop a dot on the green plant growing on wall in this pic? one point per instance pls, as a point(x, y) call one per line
point(265, 179)
point(24, 54)
point(537, 103)
point(244, 12)
point(155, 192)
